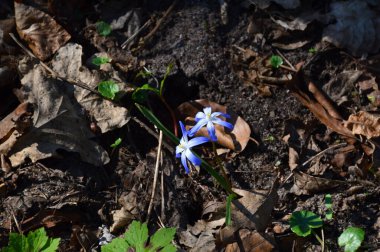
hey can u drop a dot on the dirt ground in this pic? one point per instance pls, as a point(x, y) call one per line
point(76, 200)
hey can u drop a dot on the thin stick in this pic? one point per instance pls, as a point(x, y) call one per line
point(286, 60)
point(16, 222)
point(51, 71)
point(162, 194)
point(314, 157)
point(147, 23)
point(155, 175)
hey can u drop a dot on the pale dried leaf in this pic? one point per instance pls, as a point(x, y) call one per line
point(364, 123)
point(57, 123)
point(68, 63)
point(42, 33)
point(306, 184)
point(235, 140)
point(251, 242)
point(357, 27)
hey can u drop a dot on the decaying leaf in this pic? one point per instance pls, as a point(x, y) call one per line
point(357, 27)
point(68, 63)
point(251, 242)
point(57, 122)
point(306, 184)
point(235, 140)
point(42, 33)
point(127, 213)
point(364, 123)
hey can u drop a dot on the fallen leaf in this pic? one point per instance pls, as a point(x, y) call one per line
point(357, 27)
point(58, 123)
point(68, 63)
point(251, 242)
point(306, 184)
point(364, 123)
point(235, 140)
point(127, 213)
point(42, 33)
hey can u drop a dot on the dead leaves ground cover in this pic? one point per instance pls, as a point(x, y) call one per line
point(59, 172)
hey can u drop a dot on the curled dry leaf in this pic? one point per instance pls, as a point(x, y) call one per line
point(236, 139)
point(42, 33)
point(306, 184)
point(364, 123)
point(58, 123)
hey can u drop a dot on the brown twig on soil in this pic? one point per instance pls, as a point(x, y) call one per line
point(155, 175)
point(17, 224)
point(126, 42)
point(162, 196)
point(159, 22)
point(51, 71)
point(287, 61)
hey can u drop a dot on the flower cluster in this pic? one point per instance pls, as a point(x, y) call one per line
point(205, 118)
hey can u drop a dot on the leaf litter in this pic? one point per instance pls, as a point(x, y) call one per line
point(333, 149)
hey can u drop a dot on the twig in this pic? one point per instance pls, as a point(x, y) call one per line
point(159, 22)
point(16, 222)
point(155, 175)
point(314, 157)
point(51, 71)
point(162, 195)
point(286, 60)
point(147, 23)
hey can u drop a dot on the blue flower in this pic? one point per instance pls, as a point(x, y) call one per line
point(183, 150)
point(209, 119)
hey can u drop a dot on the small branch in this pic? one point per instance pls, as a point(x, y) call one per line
point(135, 34)
point(155, 175)
point(287, 61)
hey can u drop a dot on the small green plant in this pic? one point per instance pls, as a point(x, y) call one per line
point(116, 143)
point(103, 28)
point(312, 50)
point(100, 60)
point(35, 241)
point(108, 89)
point(302, 222)
point(351, 239)
point(136, 239)
point(276, 61)
point(328, 204)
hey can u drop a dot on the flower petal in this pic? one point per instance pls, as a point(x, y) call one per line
point(215, 114)
point(184, 162)
point(197, 126)
point(197, 141)
point(211, 131)
point(199, 116)
point(193, 159)
point(207, 110)
point(178, 151)
point(224, 123)
point(184, 131)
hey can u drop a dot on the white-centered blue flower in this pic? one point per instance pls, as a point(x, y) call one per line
point(183, 150)
point(209, 119)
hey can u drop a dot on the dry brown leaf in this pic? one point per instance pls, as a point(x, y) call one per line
point(235, 140)
point(42, 33)
point(306, 184)
point(58, 123)
point(364, 123)
point(251, 242)
point(127, 213)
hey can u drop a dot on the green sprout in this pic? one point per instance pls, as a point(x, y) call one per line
point(108, 89)
point(351, 239)
point(116, 143)
point(312, 50)
point(136, 237)
point(103, 28)
point(35, 241)
point(328, 204)
point(276, 61)
point(100, 60)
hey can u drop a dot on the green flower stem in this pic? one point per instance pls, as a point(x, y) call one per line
point(321, 241)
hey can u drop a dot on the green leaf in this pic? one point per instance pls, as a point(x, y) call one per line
point(351, 239)
point(108, 89)
point(100, 60)
point(169, 248)
point(301, 222)
point(141, 93)
point(328, 204)
point(312, 50)
point(137, 235)
point(116, 143)
point(103, 28)
point(168, 70)
point(276, 61)
point(117, 245)
point(36, 241)
point(228, 208)
point(162, 238)
point(371, 98)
